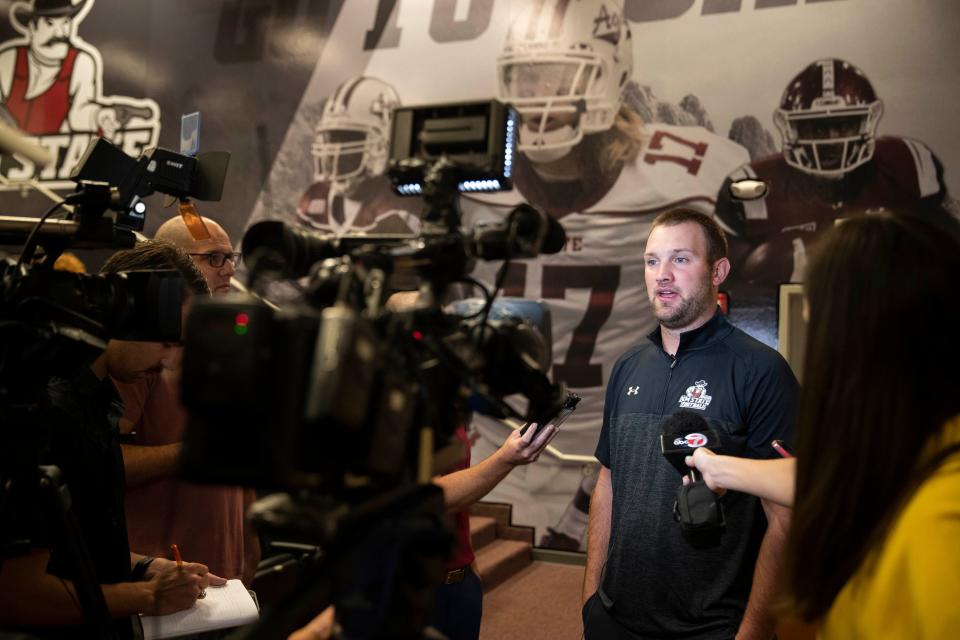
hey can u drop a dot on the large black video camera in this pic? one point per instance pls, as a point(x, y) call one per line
point(339, 394)
point(52, 320)
point(53, 323)
point(351, 404)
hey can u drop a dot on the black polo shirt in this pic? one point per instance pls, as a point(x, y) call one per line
point(654, 582)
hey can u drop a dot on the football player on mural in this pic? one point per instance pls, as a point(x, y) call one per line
point(351, 193)
point(832, 166)
point(587, 159)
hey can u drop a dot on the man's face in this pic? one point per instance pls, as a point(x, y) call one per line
point(678, 275)
point(218, 278)
point(50, 37)
point(128, 360)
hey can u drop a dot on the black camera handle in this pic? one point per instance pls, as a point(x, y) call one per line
point(52, 494)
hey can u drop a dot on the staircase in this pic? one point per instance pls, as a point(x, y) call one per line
point(502, 549)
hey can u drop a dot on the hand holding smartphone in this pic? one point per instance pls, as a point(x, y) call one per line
point(569, 405)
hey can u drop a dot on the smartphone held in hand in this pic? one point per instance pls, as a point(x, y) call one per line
point(569, 405)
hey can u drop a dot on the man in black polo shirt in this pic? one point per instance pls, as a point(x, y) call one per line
point(643, 579)
point(83, 409)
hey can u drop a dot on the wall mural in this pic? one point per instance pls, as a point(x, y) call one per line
point(628, 108)
point(51, 86)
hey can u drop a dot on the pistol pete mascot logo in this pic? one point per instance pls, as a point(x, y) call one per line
point(696, 396)
point(51, 87)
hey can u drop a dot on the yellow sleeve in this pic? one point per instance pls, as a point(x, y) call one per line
point(928, 537)
point(910, 588)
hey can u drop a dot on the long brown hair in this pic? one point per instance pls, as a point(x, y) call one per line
point(605, 154)
point(880, 379)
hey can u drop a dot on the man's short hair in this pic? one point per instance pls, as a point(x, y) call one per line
point(156, 254)
point(716, 239)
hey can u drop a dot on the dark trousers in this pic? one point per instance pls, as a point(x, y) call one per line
point(458, 607)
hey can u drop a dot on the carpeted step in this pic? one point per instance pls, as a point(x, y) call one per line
point(502, 513)
point(500, 559)
point(483, 531)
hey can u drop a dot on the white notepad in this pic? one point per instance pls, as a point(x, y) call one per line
point(222, 608)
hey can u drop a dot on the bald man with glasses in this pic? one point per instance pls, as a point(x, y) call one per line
point(201, 519)
point(214, 255)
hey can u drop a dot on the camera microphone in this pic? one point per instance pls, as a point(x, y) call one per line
point(526, 233)
point(293, 252)
point(538, 224)
point(682, 433)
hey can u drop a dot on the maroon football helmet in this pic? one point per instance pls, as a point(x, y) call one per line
point(828, 119)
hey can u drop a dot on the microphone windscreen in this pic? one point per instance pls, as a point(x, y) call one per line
point(555, 238)
point(683, 432)
point(532, 223)
point(684, 420)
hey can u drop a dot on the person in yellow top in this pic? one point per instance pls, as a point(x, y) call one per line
point(909, 586)
point(875, 485)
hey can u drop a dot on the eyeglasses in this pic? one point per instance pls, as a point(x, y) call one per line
point(217, 258)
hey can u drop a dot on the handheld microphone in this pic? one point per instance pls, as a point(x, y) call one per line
point(682, 433)
point(697, 509)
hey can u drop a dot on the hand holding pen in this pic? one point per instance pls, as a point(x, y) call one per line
point(177, 585)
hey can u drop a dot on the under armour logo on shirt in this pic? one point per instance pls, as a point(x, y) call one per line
point(632, 391)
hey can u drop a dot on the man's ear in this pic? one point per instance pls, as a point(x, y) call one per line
point(721, 269)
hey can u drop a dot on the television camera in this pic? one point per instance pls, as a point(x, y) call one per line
point(50, 321)
point(351, 407)
point(54, 322)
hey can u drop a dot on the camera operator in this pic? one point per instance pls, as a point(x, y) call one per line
point(208, 519)
point(37, 590)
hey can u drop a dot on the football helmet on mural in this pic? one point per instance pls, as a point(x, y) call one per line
point(828, 119)
point(563, 67)
point(353, 136)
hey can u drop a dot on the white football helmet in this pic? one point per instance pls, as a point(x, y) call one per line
point(353, 137)
point(563, 67)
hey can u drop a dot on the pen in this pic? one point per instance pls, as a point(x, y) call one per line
point(176, 556)
point(781, 448)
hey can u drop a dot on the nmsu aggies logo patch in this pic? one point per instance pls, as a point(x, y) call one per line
point(696, 396)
